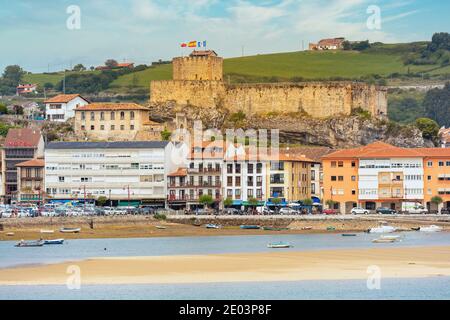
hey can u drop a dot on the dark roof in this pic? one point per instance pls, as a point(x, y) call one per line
point(23, 137)
point(108, 145)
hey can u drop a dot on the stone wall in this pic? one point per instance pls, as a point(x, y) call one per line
point(317, 99)
point(198, 68)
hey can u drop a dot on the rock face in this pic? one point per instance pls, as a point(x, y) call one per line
point(296, 128)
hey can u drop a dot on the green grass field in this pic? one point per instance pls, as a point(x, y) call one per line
point(53, 78)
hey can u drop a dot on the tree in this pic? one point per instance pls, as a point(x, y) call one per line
point(48, 85)
point(437, 104)
point(13, 74)
point(206, 200)
point(429, 128)
point(3, 109)
point(436, 200)
point(79, 67)
point(111, 63)
point(92, 68)
point(346, 45)
point(253, 202)
point(18, 110)
point(331, 203)
point(166, 134)
point(101, 201)
point(4, 128)
point(307, 202)
point(228, 202)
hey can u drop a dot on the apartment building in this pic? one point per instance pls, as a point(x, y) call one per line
point(62, 107)
point(20, 145)
point(30, 181)
point(201, 176)
point(381, 175)
point(126, 173)
point(116, 122)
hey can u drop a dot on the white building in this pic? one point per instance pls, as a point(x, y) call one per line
point(62, 107)
point(125, 172)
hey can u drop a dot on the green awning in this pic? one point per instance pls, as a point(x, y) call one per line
point(247, 204)
point(125, 203)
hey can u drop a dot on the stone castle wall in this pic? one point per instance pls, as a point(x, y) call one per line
point(318, 99)
point(198, 68)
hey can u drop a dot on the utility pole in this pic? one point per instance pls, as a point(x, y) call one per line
point(243, 49)
point(64, 82)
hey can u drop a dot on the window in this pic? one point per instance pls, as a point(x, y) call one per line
point(83, 115)
point(92, 116)
point(229, 181)
point(122, 127)
point(61, 179)
point(340, 178)
point(250, 181)
point(237, 193)
point(229, 168)
point(333, 164)
point(333, 178)
point(113, 127)
point(447, 163)
point(102, 116)
point(113, 115)
point(277, 178)
point(238, 168)
point(353, 178)
point(238, 181)
point(250, 168)
point(313, 188)
point(229, 193)
point(353, 192)
point(341, 164)
point(102, 127)
point(259, 168)
point(250, 193)
point(132, 127)
point(258, 193)
point(83, 128)
point(441, 163)
point(429, 178)
point(353, 164)
point(132, 115)
point(122, 115)
point(92, 127)
point(430, 163)
point(259, 181)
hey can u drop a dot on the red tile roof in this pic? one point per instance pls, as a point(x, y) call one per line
point(26, 86)
point(107, 106)
point(64, 98)
point(181, 172)
point(32, 163)
point(24, 137)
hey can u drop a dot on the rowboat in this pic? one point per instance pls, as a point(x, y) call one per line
point(279, 245)
point(29, 244)
point(161, 227)
point(56, 241)
point(10, 234)
point(306, 228)
point(47, 231)
point(250, 227)
point(432, 228)
point(383, 229)
point(349, 234)
point(381, 240)
point(212, 226)
point(274, 229)
point(390, 237)
point(70, 230)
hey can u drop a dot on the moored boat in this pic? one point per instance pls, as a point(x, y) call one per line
point(212, 226)
point(161, 227)
point(381, 240)
point(29, 244)
point(250, 227)
point(10, 234)
point(70, 230)
point(390, 237)
point(383, 229)
point(279, 245)
point(274, 229)
point(55, 241)
point(43, 231)
point(431, 228)
point(349, 234)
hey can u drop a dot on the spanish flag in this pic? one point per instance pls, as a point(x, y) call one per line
point(192, 44)
point(184, 45)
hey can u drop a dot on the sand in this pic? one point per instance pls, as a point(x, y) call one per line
point(273, 266)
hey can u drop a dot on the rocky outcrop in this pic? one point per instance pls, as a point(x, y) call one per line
point(296, 128)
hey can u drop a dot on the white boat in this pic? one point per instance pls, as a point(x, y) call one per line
point(161, 227)
point(212, 226)
point(10, 234)
point(381, 240)
point(431, 228)
point(70, 230)
point(390, 237)
point(47, 231)
point(383, 229)
point(279, 245)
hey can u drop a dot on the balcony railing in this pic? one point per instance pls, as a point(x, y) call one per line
point(204, 170)
point(190, 198)
point(194, 185)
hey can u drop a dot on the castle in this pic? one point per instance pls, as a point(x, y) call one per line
point(198, 80)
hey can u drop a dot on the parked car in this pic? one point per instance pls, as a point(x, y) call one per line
point(288, 211)
point(329, 211)
point(359, 210)
point(232, 211)
point(445, 211)
point(384, 210)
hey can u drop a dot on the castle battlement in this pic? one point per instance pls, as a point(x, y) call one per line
point(198, 80)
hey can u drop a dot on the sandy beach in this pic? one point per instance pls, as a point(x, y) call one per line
point(345, 264)
point(146, 227)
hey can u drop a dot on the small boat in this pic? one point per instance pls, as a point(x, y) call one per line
point(274, 229)
point(55, 241)
point(390, 237)
point(279, 245)
point(250, 227)
point(383, 229)
point(431, 228)
point(47, 231)
point(161, 227)
point(307, 228)
point(349, 234)
point(416, 229)
point(381, 240)
point(30, 244)
point(70, 230)
point(10, 234)
point(331, 229)
point(212, 226)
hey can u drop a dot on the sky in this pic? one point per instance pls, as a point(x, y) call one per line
point(49, 35)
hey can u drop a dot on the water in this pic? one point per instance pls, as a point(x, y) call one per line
point(424, 289)
point(88, 248)
point(427, 288)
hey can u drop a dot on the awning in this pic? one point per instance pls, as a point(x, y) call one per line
point(129, 203)
point(247, 203)
point(237, 202)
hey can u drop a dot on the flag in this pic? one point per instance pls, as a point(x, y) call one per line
point(192, 44)
point(184, 45)
point(201, 44)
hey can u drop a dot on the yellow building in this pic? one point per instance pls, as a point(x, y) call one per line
point(116, 122)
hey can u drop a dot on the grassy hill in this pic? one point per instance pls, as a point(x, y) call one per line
point(382, 60)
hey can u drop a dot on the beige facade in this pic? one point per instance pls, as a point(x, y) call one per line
point(30, 180)
point(115, 122)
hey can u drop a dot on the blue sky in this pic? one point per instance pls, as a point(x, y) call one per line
point(33, 33)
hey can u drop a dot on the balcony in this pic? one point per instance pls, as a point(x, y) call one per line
point(195, 185)
point(204, 170)
point(175, 198)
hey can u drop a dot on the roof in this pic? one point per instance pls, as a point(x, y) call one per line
point(64, 98)
point(107, 145)
point(108, 106)
point(24, 86)
point(181, 172)
point(314, 153)
point(125, 64)
point(331, 42)
point(32, 163)
point(23, 137)
point(203, 53)
point(384, 150)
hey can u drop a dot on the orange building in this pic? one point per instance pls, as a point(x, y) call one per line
point(382, 175)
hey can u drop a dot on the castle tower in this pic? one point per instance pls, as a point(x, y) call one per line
point(199, 66)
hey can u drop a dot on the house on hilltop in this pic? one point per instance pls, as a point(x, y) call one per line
point(26, 88)
point(328, 44)
point(62, 107)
